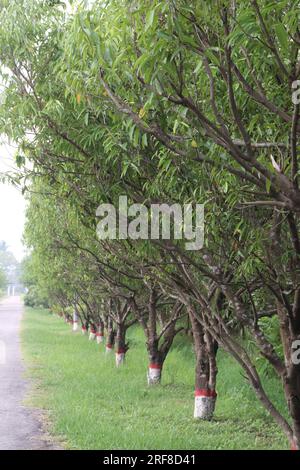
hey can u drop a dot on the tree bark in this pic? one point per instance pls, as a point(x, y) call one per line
point(111, 334)
point(121, 345)
point(292, 393)
point(100, 332)
point(205, 371)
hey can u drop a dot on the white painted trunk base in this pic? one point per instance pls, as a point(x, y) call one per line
point(120, 358)
point(205, 405)
point(75, 325)
point(99, 338)
point(294, 445)
point(153, 375)
point(84, 331)
point(108, 350)
point(92, 336)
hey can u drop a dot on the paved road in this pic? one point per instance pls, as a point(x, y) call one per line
point(19, 426)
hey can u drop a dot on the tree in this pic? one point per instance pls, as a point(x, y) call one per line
point(9, 266)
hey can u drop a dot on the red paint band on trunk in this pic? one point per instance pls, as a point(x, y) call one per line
point(83, 328)
point(294, 446)
point(120, 351)
point(204, 392)
point(109, 346)
point(99, 334)
point(154, 366)
point(93, 332)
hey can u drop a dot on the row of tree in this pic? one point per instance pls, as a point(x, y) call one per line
point(165, 101)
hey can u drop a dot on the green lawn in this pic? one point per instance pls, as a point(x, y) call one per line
point(93, 405)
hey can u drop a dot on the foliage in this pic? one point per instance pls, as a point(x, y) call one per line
point(188, 102)
point(9, 266)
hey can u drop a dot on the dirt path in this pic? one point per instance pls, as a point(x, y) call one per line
point(20, 427)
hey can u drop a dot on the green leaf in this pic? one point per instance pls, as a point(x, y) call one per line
point(149, 19)
point(282, 36)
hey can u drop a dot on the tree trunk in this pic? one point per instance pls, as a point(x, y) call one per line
point(154, 372)
point(121, 346)
point(292, 392)
point(158, 349)
point(157, 352)
point(110, 336)
point(84, 330)
point(75, 320)
point(100, 332)
point(205, 372)
point(155, 362)
point(93, 331)
point(155, 358)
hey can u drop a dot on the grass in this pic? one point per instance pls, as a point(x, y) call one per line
point(93, 405)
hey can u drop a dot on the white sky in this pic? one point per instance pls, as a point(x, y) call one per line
point(12, 207)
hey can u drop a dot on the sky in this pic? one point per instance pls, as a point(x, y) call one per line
point(12, 207)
